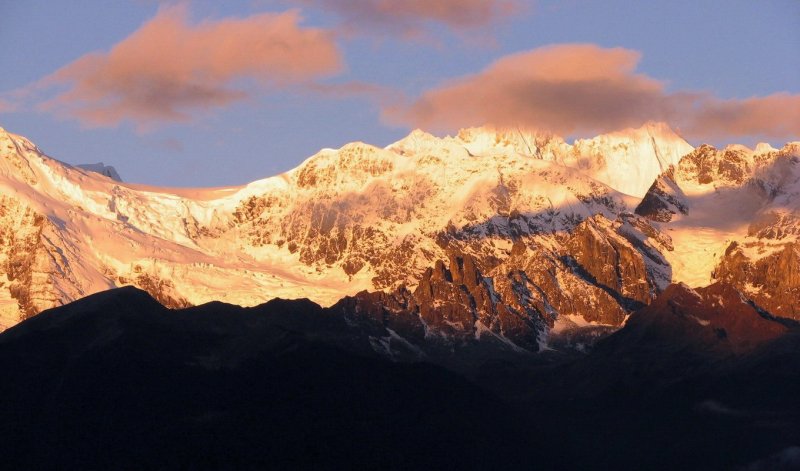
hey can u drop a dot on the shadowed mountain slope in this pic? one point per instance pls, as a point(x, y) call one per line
point(117, 380)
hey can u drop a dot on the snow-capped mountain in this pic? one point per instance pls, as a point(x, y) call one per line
point(502, 234)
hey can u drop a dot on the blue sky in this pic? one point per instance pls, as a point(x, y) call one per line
point(388, 71)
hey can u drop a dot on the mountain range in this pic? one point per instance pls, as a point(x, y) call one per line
point(508, 235)
point(500, 298)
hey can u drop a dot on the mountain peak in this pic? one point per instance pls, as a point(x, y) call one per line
point(524, 141)
point(634, 157)
point(791, 148)
point(422, 142)
point(420, 134)
point(764, 148)
point(658, 130)
point(414, 139)
point(741, 148)
point(103, 169)
point(628, 160)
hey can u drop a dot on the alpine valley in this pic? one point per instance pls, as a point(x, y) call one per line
point(625, 301)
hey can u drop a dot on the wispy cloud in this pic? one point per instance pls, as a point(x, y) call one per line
point(170, 69)
point(6, 106)
point(378, 94)
point(170, 144)
point(585, 88)
point(773, 116)
point(413, 17)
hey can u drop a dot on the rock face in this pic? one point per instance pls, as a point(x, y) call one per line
point(765, 263)
point(22, 257)
point(595, 274)
point(772, 280)
point(102, 169)
point(731, 166)
point(453, 305)
point(664, 199)
point(39, 269)
point(611, 263)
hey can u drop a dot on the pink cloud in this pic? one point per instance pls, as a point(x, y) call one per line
point(773, 116)
point(6, 106)
point(584, 89)
point(373, 92)
point(411, 16)
point(169, 69)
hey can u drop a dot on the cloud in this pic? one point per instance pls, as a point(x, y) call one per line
point(170, 69)
point(170, 144)
point(7, 106)
point(585, 89)
point(413, 16)
point(379, 94)
point(774, 116)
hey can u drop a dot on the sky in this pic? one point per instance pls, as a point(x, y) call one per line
point(209, 93)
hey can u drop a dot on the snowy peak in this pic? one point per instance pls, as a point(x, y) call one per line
point(102, 169)
point(20, 143)
point(359, 217)
point(542, 145)
point(345, 169)
point(14, 162)
point(630, 160)
point(416, 142)
point(661, 132)
point(764, 148)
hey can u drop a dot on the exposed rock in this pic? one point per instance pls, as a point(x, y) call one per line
point(162, 290)
point(538, 283)
point(453, 304)
point(771, 281)
point(775, 224)
point(102, 169)
point(610, 262)
point(664, 199)
point(732, 166)
point(517, 300)
point(24, 260)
